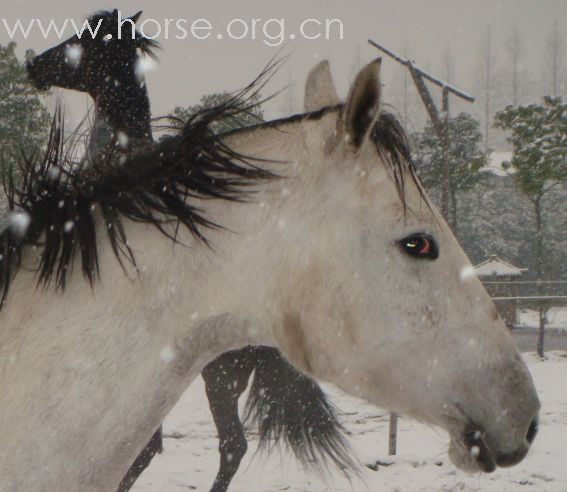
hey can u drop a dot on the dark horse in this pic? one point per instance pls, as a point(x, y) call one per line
point(286, 405)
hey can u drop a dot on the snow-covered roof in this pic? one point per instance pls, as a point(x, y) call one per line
point(494, 266)
point(495, 161)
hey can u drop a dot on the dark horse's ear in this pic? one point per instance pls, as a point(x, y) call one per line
point(362, 107)
point(136, 17)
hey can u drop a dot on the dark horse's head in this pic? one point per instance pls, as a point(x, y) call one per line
point(105, 65)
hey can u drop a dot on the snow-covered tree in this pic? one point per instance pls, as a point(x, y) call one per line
point(466, 159)
point(24, 120)
point(496, 220)
point(252, 116)
point(539, 141)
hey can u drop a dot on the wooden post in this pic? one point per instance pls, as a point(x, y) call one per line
point(440, 122)
point(446, 153)
point(427, 100)
point(542, 311)
point(393, 434)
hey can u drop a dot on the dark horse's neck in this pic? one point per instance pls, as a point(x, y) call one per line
point(122, 102)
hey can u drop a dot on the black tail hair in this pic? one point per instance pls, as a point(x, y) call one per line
point(290, 407)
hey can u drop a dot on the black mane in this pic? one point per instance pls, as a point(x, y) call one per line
point(157, 185)
point(388, 136)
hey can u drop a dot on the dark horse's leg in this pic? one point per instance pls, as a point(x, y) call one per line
point(226, 379)
point(287, 405)
point(142, 461)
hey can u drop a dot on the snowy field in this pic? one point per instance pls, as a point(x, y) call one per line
point(190, 459)
point(556, 318)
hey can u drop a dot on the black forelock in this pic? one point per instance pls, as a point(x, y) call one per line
point(388, 136)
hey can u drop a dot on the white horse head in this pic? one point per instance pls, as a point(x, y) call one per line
point(342, 263)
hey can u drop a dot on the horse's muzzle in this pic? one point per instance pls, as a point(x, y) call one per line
point(487, 458)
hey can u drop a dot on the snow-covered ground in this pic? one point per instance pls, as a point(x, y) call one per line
point(190, 459)
point(556, 318)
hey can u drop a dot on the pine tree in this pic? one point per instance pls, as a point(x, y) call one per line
point(466, 158)
point(539, 140)
point(24, 120)
point(253, 116)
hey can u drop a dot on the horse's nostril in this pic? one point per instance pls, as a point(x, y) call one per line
point(517, 456)
point(532, 431)
point(505, 460)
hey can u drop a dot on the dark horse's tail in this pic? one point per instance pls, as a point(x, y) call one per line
point(291, 407)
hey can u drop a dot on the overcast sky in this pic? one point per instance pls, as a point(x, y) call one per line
point(190, 68)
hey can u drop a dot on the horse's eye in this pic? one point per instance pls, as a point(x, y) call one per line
point(421, 246)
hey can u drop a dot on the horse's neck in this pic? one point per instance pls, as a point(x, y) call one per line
point(103, 368)
point(135, 341)
point(124, 107)
point(122, 113)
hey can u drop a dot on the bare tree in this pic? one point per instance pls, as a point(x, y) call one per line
point(486, 84)
point(288, 102)
point(517, 78)
point(405, 86)
point(404, 97)
point(554, 61)
point(356, 65)
point(448, 69)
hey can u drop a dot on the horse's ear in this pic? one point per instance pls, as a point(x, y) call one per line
point(319, 88)
point(115, 13)
point(362, 107)
point(136, 16)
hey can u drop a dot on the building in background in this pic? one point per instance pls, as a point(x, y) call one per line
point(497, 276)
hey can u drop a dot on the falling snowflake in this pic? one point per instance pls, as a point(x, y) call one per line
point(73, 55)
point(19, 222)
point(54, 173)
point(143, 66)
point(122, 139)
point(467, 273)
point(167, 354)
